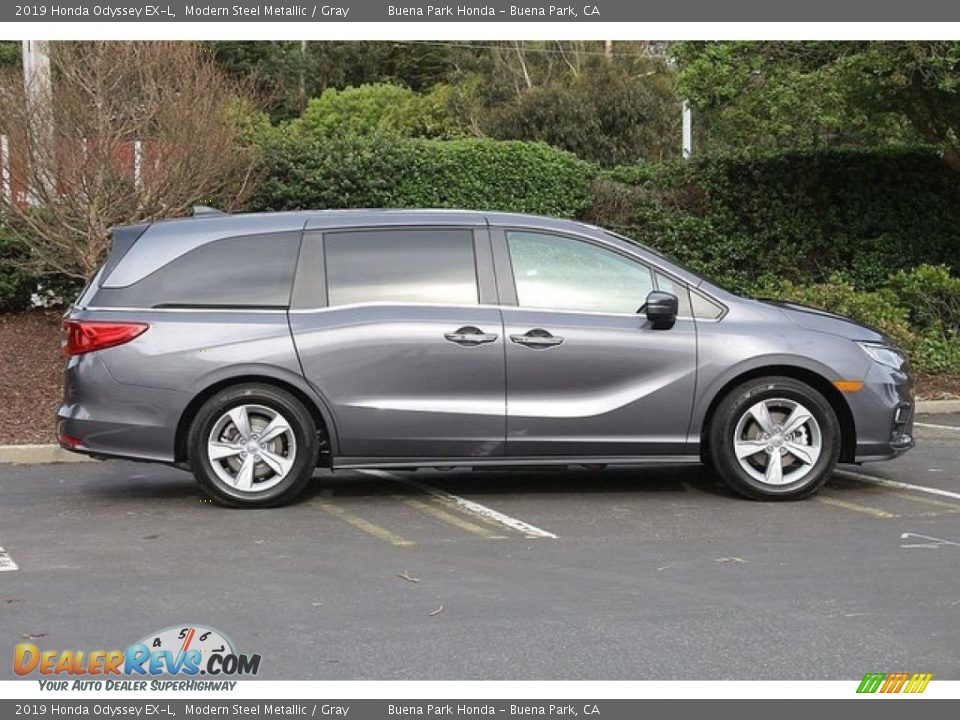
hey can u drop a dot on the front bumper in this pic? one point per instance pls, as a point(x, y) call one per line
point(883, 414)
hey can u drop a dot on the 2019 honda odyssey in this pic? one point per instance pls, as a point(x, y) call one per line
point(252, 349)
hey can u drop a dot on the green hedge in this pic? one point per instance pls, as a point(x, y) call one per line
point(309, 172)
point(15, 285)
point(802, 217)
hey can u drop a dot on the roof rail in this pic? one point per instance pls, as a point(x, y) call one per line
point(204, 210)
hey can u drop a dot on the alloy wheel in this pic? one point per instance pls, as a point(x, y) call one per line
point(777, 441)
point(251, 448)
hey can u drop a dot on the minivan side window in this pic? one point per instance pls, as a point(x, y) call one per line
point(401, 265)
point(252, 271)
point(560, 273)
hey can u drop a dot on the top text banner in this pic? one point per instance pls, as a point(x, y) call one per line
point(489, 11)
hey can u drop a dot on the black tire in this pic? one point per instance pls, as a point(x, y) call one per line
point(305, 450)
point(736, 404)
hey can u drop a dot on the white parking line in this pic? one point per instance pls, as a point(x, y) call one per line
point(466, 506)
point(938, 427)
point(6, 562)
point(896, 484)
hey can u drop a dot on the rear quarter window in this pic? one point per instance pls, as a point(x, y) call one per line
point(252, 271)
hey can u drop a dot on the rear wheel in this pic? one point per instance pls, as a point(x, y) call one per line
point(253, 445)
point(774, 438)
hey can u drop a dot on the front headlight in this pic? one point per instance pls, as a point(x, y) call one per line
point(884, 354)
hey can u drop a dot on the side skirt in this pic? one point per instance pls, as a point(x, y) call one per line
point(354, 463)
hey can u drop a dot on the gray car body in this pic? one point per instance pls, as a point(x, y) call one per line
point(391, 391)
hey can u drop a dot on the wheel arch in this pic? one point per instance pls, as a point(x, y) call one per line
point(848, 428)
point(313, 405)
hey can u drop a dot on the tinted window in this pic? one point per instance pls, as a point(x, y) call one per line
point(416, 265)
point(675, 287)
point(560, 273)
point(250, 271)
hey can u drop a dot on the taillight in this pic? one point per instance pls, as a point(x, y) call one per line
point(83, 336)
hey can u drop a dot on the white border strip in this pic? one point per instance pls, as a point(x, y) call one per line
point(6, 562)
point(467, 506)
point(388, 30)
point(896, 484)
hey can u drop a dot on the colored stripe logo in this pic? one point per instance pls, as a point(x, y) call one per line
point(894, 682)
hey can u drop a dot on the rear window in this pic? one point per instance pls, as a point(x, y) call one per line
point(253, 271)
point(410, 265)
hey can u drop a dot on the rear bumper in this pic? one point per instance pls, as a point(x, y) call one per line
point(883, 414)
point(104, 418)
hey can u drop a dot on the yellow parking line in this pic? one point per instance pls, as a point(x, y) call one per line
point(452, 519)
point(359, 523)
point(865, 509)
point(953, 507)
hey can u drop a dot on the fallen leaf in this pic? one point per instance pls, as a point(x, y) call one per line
point(437, 611)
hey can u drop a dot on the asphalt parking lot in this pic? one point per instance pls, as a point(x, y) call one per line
point(585, 574)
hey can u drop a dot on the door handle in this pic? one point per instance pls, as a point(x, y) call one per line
point(537, 338)
point(470, 335)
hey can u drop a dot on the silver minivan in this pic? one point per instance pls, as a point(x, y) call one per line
point(252, 349)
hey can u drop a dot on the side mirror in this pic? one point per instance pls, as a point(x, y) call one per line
point(661, 308)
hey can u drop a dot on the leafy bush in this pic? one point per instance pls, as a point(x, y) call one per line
point(608, 113)
point(15, 284)
point(932, 295)
point(377, 171)
point(379, 108)
point(791, 216)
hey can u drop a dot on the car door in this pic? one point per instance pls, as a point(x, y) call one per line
point(587, 374)
point(397, 342)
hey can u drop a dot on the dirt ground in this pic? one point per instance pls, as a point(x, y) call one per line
point(31, 377)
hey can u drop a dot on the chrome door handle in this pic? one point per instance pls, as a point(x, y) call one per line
point(470, 335)
point(537, 338)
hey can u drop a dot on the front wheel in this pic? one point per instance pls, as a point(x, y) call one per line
point(253, 445)
point(774, 438)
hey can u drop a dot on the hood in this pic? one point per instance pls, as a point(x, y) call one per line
point(810, 318)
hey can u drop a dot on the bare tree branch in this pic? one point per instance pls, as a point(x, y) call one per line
point(79, 176)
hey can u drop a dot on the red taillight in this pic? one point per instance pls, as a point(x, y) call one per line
point(83, 336)
point(70, 441)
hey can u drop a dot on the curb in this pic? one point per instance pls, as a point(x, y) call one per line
point(42, 454)
point(39, 454)
point(938, 407)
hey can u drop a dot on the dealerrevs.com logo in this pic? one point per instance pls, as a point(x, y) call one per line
point(190, 651)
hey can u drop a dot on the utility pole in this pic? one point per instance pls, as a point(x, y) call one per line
point(608, 49)
point(302, 89)
point(39, 97)
point(687, 147)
